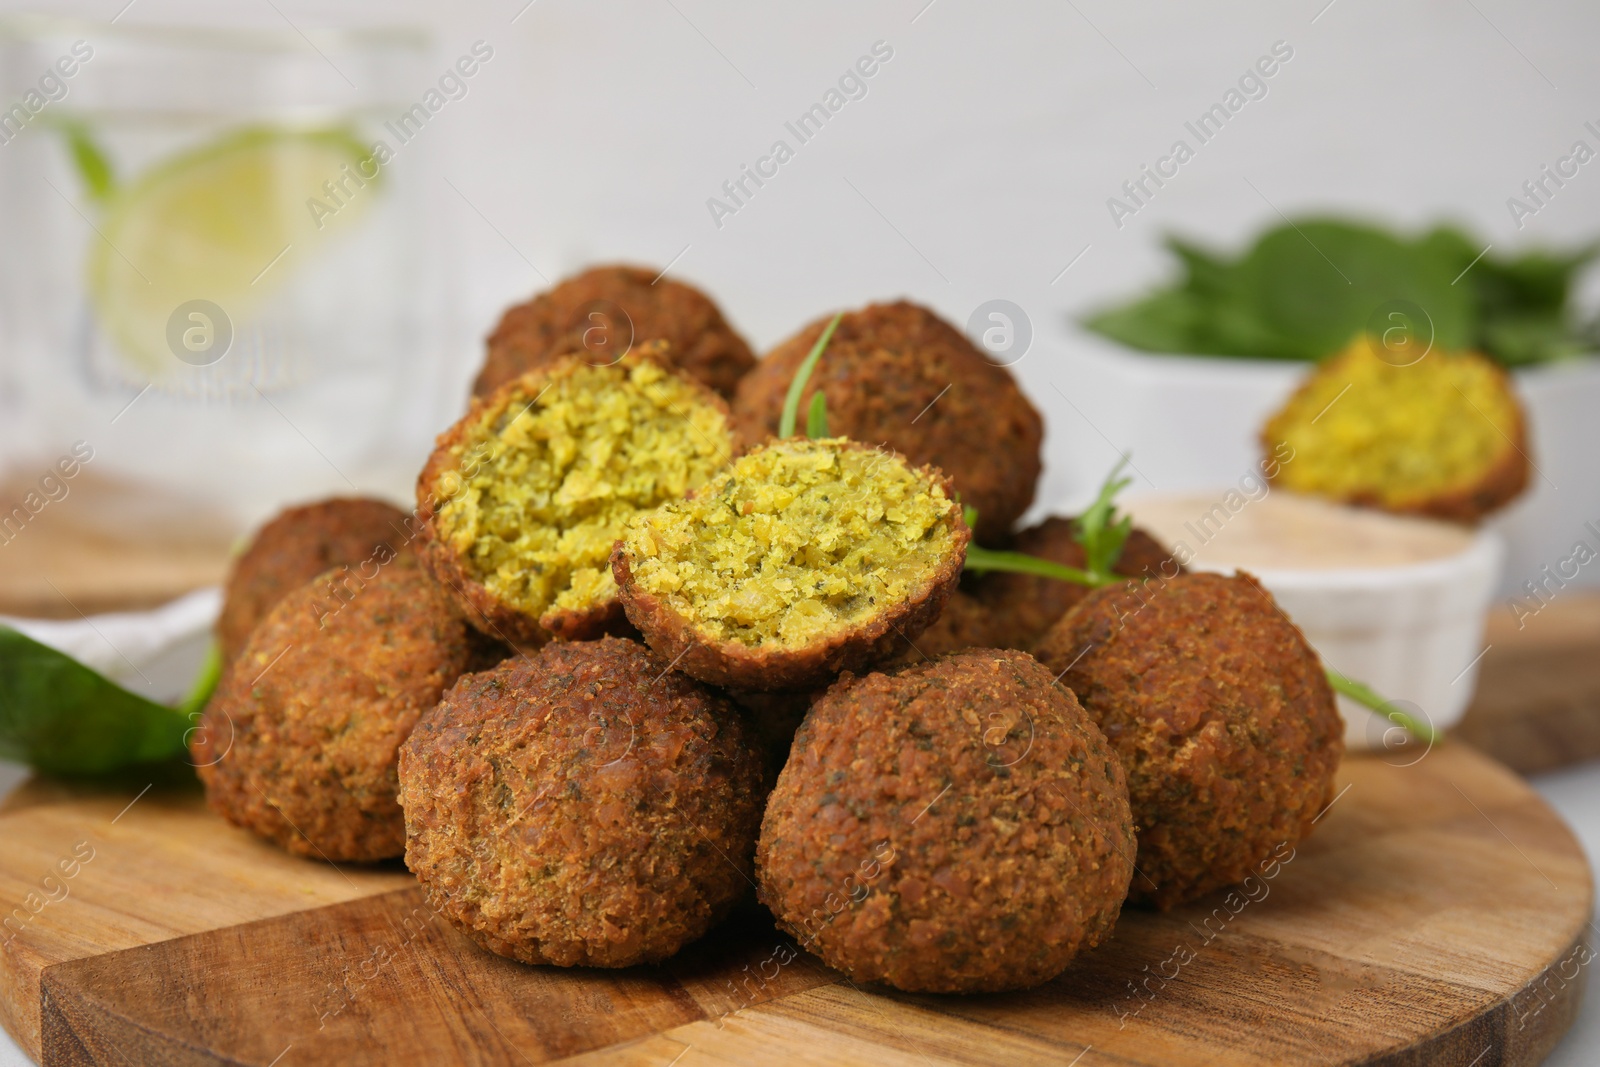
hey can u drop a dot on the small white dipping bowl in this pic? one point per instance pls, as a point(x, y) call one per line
point(1412, 630)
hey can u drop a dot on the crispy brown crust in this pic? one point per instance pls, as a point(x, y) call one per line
point(299, 743)
point(956, 827)
point(1500, 484)
point(482, 607)
point(553, 324)
point(896, 374)
point(1024, 606)
point(738, 666)
point(966, 622)
point(294, 547)
point(583, 807)
point(1222, 715)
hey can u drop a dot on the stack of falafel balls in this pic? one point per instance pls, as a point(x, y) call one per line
point(567, 686)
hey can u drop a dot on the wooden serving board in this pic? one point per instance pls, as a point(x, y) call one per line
point(1439, 915)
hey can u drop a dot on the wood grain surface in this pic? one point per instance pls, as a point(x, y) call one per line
point(1538, 701)
point(1439, 915)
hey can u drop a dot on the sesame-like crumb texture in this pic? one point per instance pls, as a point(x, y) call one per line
point(808, 549)
point(956, 827)
point(582, 807)
point(897, 375)
point(299, 742)
point(1444, 436)
point(1219, 711)
point(525, 496)
point(601, 312)
point(296, 546)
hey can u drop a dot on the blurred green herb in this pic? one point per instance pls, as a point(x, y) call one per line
point(61, 717)
point(1100, 531)
point(1366, 696)
point(817, 417)
point(791, 401)
point(1304, 290)
point(90, 160)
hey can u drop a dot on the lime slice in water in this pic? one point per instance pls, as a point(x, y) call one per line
point(224, 223)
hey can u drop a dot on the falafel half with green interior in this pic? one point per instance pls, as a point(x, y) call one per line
point(955, 827)
point(802, 559)
point(1221, 713)
point(585, 806)
point(524, 497)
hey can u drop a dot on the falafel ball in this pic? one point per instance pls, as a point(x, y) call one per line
point(900, 376)
point(296, 546)
point(523, 498)
point(584, 807)
point(956, 827)
point(598, 314)
point(299, 743)
point(802, 559)
point(1024, 606)
point(1219, 710)
point(1440, 434)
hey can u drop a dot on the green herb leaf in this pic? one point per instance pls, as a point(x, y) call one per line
point(61, 717)
point(791, 401)
point(1100, 531)
point(981, 560)
point(1366, 696)
point(91, 162)
point(205, 683)
point(817, 417)
point(1305, 289)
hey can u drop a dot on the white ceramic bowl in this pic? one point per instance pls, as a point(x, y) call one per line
point(1412, 632)
point(1191, 423)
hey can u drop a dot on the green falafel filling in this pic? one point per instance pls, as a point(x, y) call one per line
point(553, 468)
point(797, 541)
point(1407, 432)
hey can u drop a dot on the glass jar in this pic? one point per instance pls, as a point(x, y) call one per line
point(216, 276)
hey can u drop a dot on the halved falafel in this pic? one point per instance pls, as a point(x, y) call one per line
point(523, 498)
point(299, 743)
point(586, 806)
point(898, 375)
point(598, 314)
point(1024, 606)
point(960, 826)
point(298, 544)
point(802, 559)
point(1441, 435)
point(1221, 714)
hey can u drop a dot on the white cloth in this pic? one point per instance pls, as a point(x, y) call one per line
point(154, 653)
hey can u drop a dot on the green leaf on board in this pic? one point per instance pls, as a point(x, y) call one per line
point(60, 716)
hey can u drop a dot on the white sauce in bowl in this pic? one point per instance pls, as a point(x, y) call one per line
point(1281, 531)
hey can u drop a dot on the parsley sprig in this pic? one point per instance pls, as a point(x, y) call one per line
point(817, 419)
